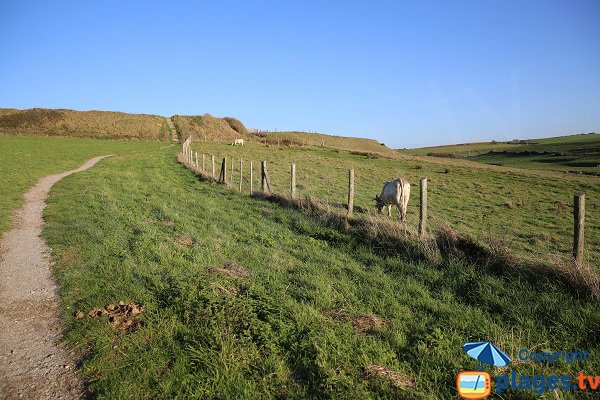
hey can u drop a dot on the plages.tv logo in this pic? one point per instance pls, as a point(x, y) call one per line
point(477, 384)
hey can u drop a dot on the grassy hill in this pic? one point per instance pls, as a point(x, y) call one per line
point(94, 124)
point(576, 153)
point(245, 299)
point(208, 128)
point(360, 146)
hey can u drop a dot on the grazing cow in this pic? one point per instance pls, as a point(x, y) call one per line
point(238, 141)
point(394, 193)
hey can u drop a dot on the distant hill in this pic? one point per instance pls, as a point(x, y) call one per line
point(574, 153)
point(367, 147)
point(96, 124)
point(208, 127)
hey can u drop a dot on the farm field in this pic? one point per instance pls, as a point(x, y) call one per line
point(527, 211)
point(245, 299)
point(565, 153)
point(23, 160)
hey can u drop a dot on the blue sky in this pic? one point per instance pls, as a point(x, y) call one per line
point(405, 73)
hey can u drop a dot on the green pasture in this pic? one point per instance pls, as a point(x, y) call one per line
point(23, 160)
point(529, 212)
point(285, 328)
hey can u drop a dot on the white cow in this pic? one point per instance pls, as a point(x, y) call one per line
point(394, 193)
point(238, 141)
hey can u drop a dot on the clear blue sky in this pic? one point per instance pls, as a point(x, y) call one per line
point(405, 73)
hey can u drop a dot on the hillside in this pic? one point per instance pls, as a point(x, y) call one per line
point(209, 128)
point(94, 124)
point(360, 146)
point(575, 153)
point(206, 127)
point(245, 299)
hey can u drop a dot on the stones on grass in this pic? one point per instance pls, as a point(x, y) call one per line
point(122, 316)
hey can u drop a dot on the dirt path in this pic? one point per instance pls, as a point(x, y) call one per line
point(33, 363)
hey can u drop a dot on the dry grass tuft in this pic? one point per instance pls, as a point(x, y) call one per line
point(368, 324)
point(233, 270)
point(225, 291)
point(365, 324)
point(185, 240)
point(397, 379)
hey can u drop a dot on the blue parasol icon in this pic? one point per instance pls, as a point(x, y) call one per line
point(487, 353)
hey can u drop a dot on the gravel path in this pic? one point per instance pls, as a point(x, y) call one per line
point(33, 362)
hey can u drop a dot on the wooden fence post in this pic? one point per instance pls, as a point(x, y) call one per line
point(250, 177)
point(423, 208)
point(350, 192)
point(293, 185)
point(196, 160)
point(202, 162)
point(231, 174)
point(212, 159)
point(265, 183)
point(241, 169)
point(578, 227)
point(223, 173)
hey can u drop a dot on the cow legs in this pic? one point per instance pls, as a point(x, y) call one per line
point(401, 214)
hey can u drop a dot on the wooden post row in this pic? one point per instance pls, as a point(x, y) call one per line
point(293, 183)
point(423, 208)
point(350, 192)
point(578, 227)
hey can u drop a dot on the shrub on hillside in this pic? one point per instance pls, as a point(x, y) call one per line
point(236, 125)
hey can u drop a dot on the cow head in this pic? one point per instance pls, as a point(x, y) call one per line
point(379, 204)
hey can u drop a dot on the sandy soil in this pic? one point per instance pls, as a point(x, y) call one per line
point(33, 362)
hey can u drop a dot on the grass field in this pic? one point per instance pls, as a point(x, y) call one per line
point(23, 160)
point(529, 211)
point(94, 124)
point(566, 153)
point(289, 326)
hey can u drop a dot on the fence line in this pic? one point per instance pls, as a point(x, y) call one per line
point(188, 156)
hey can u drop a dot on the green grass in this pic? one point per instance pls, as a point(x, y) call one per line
point(565, 153)
point(23, 160)
point(113, 232)
point(529, 211)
